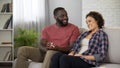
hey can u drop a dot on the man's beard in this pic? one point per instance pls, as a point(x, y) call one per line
point(61, 23)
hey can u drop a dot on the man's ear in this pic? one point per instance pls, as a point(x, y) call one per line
point(55, 17)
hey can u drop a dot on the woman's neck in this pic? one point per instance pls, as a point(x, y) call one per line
point(91, 33)
point(95, 30)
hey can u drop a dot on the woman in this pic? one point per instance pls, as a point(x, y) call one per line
point(89, 50)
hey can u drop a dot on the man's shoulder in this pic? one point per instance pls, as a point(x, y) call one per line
point(49, 26)
point(72, 26)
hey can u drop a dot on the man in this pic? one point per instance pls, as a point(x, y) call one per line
point(57, 37)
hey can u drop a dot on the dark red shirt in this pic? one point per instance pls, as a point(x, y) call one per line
point(60, 36)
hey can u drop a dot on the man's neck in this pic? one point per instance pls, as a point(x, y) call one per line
point(60, 25)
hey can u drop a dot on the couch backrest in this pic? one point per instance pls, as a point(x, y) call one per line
point(114, 44)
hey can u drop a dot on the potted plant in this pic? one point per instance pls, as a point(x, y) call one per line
point(25, 37)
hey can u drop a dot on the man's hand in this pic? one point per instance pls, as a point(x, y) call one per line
point(51, 46)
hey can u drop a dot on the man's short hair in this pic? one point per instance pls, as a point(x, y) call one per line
point(57, 9)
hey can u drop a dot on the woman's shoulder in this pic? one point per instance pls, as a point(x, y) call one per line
point(102, 32)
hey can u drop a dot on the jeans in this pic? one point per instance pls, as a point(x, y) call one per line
point(60, 60)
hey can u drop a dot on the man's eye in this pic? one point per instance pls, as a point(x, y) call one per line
point(61, 16)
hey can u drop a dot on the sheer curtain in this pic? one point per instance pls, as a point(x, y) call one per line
point(29, 14)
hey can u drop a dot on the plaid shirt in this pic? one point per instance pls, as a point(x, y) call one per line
point(98, 45)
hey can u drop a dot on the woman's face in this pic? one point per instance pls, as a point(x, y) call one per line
point(91, 23)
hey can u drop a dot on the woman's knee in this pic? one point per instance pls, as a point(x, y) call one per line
point(64, 58)
point(56, 56)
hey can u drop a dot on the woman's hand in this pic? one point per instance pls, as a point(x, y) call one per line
point(88, 57)
point(71, 53)
point(78, 55)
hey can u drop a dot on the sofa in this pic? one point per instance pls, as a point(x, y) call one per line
point(113, 57)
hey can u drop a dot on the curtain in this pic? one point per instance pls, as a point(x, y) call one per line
point(29, 14)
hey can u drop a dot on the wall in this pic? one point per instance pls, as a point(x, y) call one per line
point(110, 9)
point(73, 7)
point(77, 10)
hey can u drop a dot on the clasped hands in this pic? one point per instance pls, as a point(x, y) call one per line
point(51, 46)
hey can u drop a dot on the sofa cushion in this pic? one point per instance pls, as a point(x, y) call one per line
point(110, 66)
point(35, 65)
point(114, 44)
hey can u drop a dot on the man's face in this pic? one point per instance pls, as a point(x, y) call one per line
point(62, 18)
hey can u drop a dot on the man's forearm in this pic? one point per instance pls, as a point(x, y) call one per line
point(65, 50)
